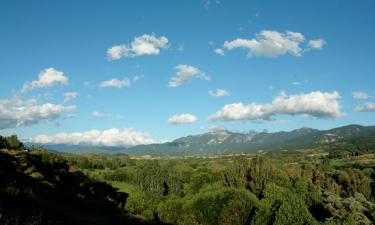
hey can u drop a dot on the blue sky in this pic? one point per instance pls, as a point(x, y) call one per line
point(267, 55)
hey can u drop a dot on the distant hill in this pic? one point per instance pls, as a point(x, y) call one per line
point(223, 141)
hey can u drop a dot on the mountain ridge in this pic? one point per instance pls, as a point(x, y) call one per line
point(224, 141)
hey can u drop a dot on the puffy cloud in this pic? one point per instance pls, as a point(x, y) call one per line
point(360, 95)
point(18, 113)
point(47, 78)
point(116, 83)
point(219, 51)
point(314, 104)
point(219, 93)
point(143, 45)
point(366, 107)
point(111, 137)
point(107, 115)
point(117, 52)
point(69, 96)
point(317, 44)
point(182, 118)
point(185, 74)
point(271, 44)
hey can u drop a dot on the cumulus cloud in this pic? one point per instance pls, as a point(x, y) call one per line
point(366, 107)
point(219, 51)
point(18, 113)
point(317, 44)
point(184, 75)
point(359, 95)
point(314, 104)
point(112, 137)
point(116, 83)
point(106, 115)
point(69, 96)
point(47, 78)
point(147, 44)
point(271, 44)
point(182, 118)
point(219, 93)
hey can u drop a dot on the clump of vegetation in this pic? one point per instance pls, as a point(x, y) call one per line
point(12, 142)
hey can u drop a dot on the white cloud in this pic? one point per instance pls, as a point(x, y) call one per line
point(47, 78)
point(117, 52)
point(219, 93)
point(182, 118)
point(271, 44)
point(18, 113)
point(314, 104)
point(359, 95)
point(219, 51)
point(366, 107)
point(69, 96)
point(143, 45)
point(185, 74)
point(106, 115)
point(317, 44)
point(296, 83)
point(111, 137)
point(116, 83)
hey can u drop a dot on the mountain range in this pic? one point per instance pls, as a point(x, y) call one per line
point(223, 141)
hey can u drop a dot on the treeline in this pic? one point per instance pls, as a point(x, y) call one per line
point(11, 142)
point(351, 147)
point(99, 161)
point(243, 191)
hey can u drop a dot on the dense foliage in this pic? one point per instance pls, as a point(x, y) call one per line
point(11, 142)
point(298, 187)
point(316, 186)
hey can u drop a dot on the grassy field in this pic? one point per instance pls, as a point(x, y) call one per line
point(122, 186)
point(362, 159)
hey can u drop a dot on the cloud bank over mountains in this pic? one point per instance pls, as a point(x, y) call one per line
point(111, 137)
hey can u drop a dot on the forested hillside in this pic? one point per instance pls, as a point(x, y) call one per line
point(39, 187)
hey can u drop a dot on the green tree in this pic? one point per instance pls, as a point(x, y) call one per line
point(170, 211)
point(216, 204)
point(281, 206)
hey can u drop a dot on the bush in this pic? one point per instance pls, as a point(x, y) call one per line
point(221, 205)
